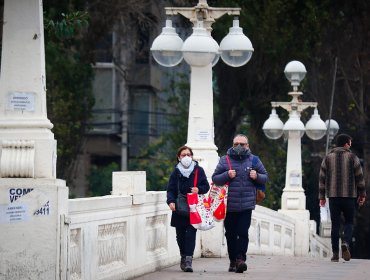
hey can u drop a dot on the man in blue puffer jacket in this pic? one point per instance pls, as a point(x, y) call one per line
point(237, 169)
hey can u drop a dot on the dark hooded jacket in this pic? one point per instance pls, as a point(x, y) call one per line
point(242, 189)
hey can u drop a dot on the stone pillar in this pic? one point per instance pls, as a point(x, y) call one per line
point(32, 213)
point(33, 203)
point(293, 201)
point(200, 124)
point(27, 145)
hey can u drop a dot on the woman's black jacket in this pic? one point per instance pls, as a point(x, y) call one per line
point(185, 184)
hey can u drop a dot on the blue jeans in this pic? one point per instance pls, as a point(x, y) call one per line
point(339, 205)
point(236, 231)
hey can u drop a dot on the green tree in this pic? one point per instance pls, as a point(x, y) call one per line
point(73, 29)
point(100, 179)
point(69, 80)
point(314, 32)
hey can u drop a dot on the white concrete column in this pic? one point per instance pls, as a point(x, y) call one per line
point(33, 232)
point(27, 145)
point(293, 197)
point(293, 201)
point(200, 124)
point(33, 204)
point(201, 140)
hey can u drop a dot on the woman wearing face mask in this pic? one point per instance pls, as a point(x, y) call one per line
point(238, 169)
point(182, 179)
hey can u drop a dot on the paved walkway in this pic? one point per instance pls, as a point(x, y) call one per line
point(269, 268)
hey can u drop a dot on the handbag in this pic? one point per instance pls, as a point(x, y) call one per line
point(260, 196)
point(181, 204)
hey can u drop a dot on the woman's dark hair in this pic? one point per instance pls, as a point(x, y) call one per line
point(181, 149)
point(342, 139)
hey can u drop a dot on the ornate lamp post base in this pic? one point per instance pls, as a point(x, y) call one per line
point(293, 201)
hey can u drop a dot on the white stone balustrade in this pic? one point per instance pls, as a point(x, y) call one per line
point(112, 237)
point(116, 236)
point(271, 233)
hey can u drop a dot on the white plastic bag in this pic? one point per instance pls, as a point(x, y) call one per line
point(324, 214)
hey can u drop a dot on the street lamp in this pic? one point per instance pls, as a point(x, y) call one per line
point(333, 128)
point(202, 52)
point(293, 197)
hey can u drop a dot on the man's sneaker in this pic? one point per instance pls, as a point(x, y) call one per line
point(346, 255)
point(335, 257)
point(241, 266)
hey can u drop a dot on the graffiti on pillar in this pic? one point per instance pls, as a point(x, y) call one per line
point(43, 211)
point(16, 193)
point(33, 202)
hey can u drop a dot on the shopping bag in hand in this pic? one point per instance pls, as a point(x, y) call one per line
point(194, 214)
point(200, 211)
point(218, 195)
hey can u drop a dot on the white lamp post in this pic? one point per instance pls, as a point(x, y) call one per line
point(202, 52)
point(293, 201)
point(293, 193)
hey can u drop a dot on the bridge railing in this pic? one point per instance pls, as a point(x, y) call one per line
point(128, 233)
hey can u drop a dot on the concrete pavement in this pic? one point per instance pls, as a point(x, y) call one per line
point(269, 268)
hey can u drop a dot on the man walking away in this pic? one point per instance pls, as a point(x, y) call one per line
point(341, 180)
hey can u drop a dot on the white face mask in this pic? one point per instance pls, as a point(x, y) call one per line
point(186, 161)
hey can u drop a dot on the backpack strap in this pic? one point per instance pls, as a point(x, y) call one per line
point(254, 161)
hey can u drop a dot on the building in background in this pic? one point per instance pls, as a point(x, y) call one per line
point(130, 108)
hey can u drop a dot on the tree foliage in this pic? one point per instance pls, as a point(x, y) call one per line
point(315, 33)
point(69, 78)
point(100, 179)
point(72, 31)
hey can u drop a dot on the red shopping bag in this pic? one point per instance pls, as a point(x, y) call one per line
point(194, 214)
point(218, 196)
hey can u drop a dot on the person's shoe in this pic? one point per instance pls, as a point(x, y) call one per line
point(232, 266)
point(240, 266)
point(182, 263)
point(188, 264)
point(346, 255)
point(335, 257)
